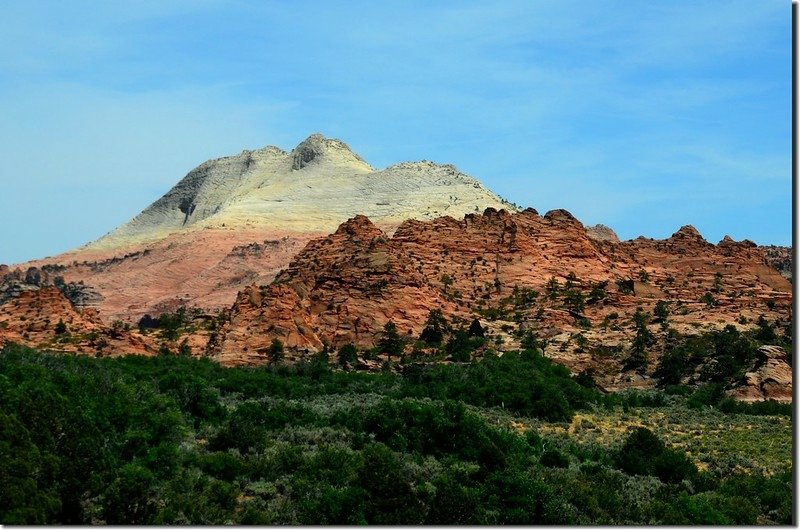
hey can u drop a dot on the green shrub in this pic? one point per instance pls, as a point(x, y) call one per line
point(554, 458)
point(643, 453)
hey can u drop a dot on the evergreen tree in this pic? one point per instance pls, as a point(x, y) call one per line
point(275, 351)
point(60, 328)
point(475, 329)
point(708, 299)
point(764, 333)
point(574, 300)
point(459, 346)
point(717, 287)
point(447, 281)
point(530, 341)
point(391, 344)
point(324, 355)
point(625, 286)
point(552, 288)
point(661, 312)
point(184, 349)
point(435, 327)
point(348, 355)
point(637, 360)
point(597, 293)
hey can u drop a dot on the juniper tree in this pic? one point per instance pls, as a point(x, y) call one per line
point(475, 329)
point(637, 360)
point(275, 351)
point(348, 355)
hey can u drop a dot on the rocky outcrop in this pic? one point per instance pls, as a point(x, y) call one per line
point(601, 232)
point(780, 258)
point(44, 318)
point(13, 282)
point(689, 236)
point(345, 287)
point(769, 378)
point(317, 146)
point(340, 289)
point(80, 295)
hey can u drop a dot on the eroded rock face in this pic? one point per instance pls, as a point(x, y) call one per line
point(14, 282)
point(769, 378)
point(346, 286)
point(314, 188)
point(317, 146)
point(339, 289)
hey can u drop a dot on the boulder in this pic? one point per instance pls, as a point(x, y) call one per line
point(769, 378)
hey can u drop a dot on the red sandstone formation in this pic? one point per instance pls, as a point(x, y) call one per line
point(770, 377)
point(346, 286)
point(44, 318)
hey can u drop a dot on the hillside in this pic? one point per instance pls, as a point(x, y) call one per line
point(518, 273)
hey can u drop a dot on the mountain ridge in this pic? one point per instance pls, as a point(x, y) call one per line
point(517, 273)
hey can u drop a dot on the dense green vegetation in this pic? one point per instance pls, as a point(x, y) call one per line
point(176, 440)
point(717, 357)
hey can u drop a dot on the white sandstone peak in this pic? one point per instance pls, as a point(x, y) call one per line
point(318, 149)
point(315, 187)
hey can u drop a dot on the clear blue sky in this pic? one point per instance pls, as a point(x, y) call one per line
point(642, 115)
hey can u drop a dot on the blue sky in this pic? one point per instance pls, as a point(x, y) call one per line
point(641, 115)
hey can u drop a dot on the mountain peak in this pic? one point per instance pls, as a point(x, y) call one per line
point(359, 226)
point(317, 147)
point(688, 232)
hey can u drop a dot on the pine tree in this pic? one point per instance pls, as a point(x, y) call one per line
point(637, 359)
point(391, 343)
point(435, 327)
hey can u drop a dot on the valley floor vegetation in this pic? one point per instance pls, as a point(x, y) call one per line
point(511, 439)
